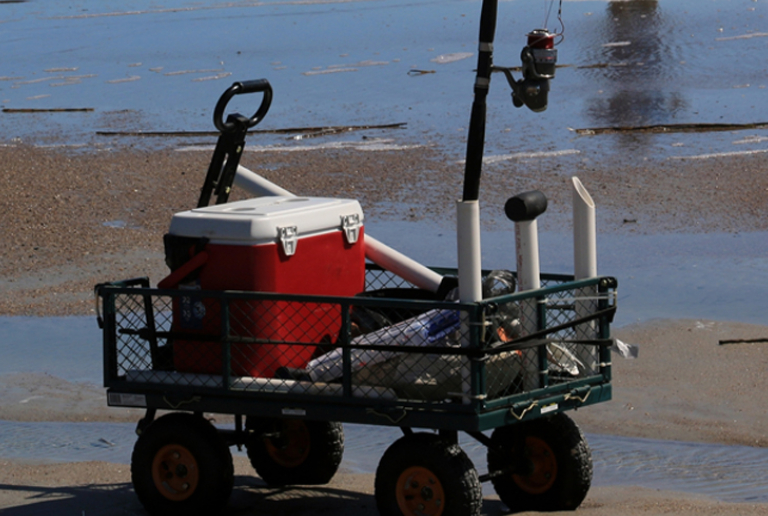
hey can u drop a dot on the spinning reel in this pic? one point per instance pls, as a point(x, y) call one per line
point(539, 59)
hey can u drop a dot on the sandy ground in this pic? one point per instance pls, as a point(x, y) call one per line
point(69, 220)
point(97, 488)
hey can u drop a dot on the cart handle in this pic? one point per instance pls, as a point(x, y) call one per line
point(241, 88)
point(141, 282)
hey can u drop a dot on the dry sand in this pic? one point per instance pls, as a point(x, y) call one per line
point(97, 488)
point(69, 220)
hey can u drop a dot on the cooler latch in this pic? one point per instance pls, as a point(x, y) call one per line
point(288, 237)
point(351, 225)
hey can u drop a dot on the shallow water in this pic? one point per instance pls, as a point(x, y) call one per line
point(728, 473)
point(66, 347)
point(717, 276)
point(162, 66)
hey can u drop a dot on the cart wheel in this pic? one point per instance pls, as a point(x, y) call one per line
point(180, 465)
point(294, 451)
point(423, 475)
point(556, 464)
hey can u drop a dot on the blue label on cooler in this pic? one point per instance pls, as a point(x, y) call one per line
point(192, 309)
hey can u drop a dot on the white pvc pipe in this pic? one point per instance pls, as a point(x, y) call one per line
point(528, 278)
point(376, 251)
point(397, 263)
point(584, 267)
point(584, 232)
point(470, 275)
point(527, 245)
point(257, 185)
point(468, 240)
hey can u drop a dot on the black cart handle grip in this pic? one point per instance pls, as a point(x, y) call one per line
point(240, 88)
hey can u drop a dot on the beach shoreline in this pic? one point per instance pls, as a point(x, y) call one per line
point(91, 218)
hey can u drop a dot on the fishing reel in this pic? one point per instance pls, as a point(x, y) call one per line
point(539, 59)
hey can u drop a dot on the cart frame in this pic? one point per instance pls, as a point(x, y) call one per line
point(474, 413)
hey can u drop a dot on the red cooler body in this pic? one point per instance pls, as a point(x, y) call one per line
point(286, 245)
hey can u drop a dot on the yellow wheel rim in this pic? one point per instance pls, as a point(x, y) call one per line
point(292, 449)
point(543, 465)
point(175, 472)
point(420, 493)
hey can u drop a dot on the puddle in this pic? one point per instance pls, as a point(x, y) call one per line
point(727, 473)
point(66, 347)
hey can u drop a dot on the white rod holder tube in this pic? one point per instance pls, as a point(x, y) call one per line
point(584, 267)
point(470, 275)
point(523, 209)
point(468, 240)
point(528, 278)
point(584, 232)
point(527, 245)
point(376, 251)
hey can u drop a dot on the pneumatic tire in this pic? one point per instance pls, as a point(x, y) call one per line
point(294, 451)
point(181, 466)
point(423, 475)
point(552, 473)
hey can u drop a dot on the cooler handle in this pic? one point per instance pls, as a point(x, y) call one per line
point(174, 278)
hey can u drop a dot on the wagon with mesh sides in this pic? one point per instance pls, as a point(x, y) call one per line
point(504, 370)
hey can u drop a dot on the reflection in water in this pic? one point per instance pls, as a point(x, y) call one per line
point(642, 67)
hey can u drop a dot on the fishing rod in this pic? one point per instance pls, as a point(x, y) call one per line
point(539, 60)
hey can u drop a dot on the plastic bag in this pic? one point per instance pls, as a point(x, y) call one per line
point(432, 328)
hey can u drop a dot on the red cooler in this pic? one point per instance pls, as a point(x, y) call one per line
point(287, 245)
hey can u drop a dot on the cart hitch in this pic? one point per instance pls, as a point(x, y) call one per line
point(229, 147)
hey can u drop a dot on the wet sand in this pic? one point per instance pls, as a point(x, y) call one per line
point(684, 387)
point(71, 219)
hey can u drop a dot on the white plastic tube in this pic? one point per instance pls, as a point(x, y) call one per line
point(528, 278)
point(397, 263)
point(376, 251)
point(584, 267)
point(470, 275)
point(527, 246)
point(468, 240)
point(257, 185)
point(584, 232)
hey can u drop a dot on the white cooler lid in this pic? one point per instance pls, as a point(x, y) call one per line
point(270, 219)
